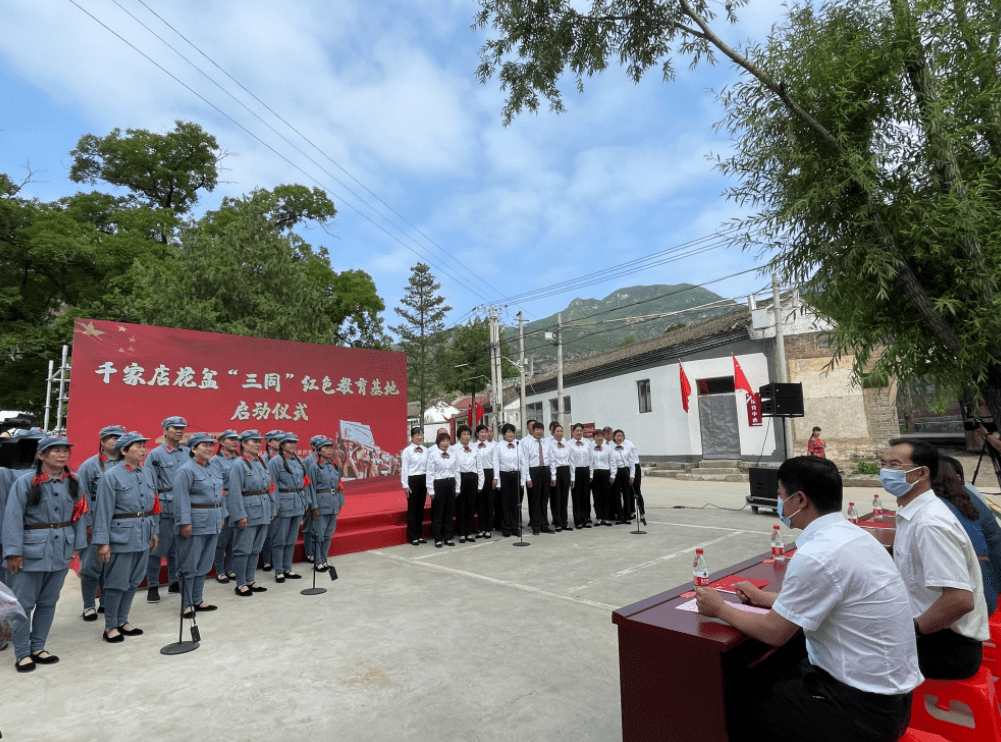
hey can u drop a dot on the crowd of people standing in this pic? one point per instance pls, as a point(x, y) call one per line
point(484, 481)
point(211, 502)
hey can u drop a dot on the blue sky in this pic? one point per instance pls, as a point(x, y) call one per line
point(387, 91)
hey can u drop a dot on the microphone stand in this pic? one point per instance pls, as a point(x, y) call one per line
point(316, 540)
point(181, 646)
point(521, 530)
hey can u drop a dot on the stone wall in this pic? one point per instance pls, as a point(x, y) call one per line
point(856, 422)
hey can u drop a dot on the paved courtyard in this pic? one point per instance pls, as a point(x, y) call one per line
point(475, 642)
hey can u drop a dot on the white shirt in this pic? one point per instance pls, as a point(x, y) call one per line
point(580, 454)
point(842, 589)
point(559, 455)
point(412, 463)
point(624, 455)
point(486, 452)
point(932, 551)
point(534, 452)
point(441, 465)
point(469, 462)
point(601, 459)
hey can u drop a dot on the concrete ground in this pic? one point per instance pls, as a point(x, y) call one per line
point(474, 642)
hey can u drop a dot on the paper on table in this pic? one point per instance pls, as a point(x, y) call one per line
point(693, 608)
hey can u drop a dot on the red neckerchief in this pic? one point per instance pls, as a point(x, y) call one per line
point(618, 448)
point(39, 479)
point(597, 448)
point(510, 445)
point(418, 449)
point(444, 454)
point(580, 443)
point(248, 457)
point(559, 444)
point(482, 445)
point(467, 449)
point(101, 456)
point(200, 462)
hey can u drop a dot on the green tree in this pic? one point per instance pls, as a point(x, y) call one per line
point(242, 269)
point(165, 171)
point(423, 313)
point(465, 365)
point(867, 137)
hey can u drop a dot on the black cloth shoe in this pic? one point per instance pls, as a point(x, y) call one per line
point(49, 659)
point(112, 639)
point(153, 595)
point(293, 576)
point(255, 588)
point(450, 542)
point(29, 665)
point(100, 607)
point(246, 592)
point(267, 567)
point(175, 587)
point(89, 614)
point(201, 608)
point(547, 529)
point(130, 632)
point(279, 579)
point(423, 540)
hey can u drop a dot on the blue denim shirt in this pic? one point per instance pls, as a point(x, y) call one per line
point(201, 485)
point(250, 475)
point(125, 490)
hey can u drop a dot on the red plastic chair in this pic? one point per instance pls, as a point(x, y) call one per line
point(992, 653)
point(916, 735)
point(977, 693)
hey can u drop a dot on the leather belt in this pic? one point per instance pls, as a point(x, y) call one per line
point(120, 516)
point(38, 526)
point(206, 507)
point(300, 489)
point(324, 492)
point(169, 489)
point(255, 492)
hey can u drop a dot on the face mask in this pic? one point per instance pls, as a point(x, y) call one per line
point(786, 518)
point(895, 481)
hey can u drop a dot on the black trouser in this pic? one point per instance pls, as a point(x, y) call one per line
point(510, 481)
point(637, 481)
point(581, 496)
point(442, 509)
point(946, 655)
point(485, 501)
point(600, 485)
point(621, 498)
point(465, 503)
point(538, 496)
point(812, 705)
point(498, 508)
point(418, 484)
point(559, 496)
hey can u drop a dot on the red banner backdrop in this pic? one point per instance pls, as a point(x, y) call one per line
point(137, 375)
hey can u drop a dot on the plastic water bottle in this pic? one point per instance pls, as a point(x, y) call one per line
point(877, 508)
point(852, 513)
point(778, 545)
point(700, 570)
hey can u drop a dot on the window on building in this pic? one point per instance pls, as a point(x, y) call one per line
point(643, 394)
point(553, 406)
point(533, 410)
point(720, 385)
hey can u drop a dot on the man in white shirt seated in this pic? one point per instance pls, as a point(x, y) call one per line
point(938, 564)
point(843, 590)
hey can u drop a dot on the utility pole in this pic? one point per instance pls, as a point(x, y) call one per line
point(560, 412)
point(781, 371)
point(496, 379)
point(521, 345)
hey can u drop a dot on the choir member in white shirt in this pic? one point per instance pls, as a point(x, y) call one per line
point(413, 465)
point(486, 454)
point(442, 482)
point(601, 465)
point(535, 458)
point(508, 459)
point(624, 459)
point(560, 477)
point(470, 483)
point(580, 477)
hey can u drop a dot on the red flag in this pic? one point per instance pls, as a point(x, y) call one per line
point(474, 415)
point(739, 380)
point(686, 388)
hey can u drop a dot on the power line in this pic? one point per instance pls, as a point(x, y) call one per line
point(444, 252)
point(268, 146)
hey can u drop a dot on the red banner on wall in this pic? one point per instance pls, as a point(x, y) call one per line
point(138, 375)
point(754, 410)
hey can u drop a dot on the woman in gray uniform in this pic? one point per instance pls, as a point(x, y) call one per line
point(251, 507)
point(125, 530)
point(43, 530)
point(291, 483)
point(224, 458)
point(197, 520)
point(328, 499)
point(89, 475)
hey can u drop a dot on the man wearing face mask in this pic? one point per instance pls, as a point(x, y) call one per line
point(842, 589)
point(939, 566)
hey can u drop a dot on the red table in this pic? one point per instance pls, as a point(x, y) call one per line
point(677, 668)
